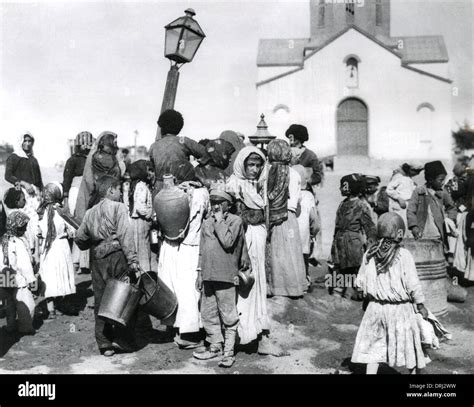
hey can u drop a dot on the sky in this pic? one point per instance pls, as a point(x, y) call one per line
point(71, 66)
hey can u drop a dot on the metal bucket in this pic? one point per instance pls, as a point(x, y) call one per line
point(119, 302)
point(157, 300)
point(431, 267)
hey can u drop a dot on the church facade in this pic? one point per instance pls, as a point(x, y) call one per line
point(359, 91)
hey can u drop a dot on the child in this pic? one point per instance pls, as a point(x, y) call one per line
point(56, 266)
point(16, 275)
point(389, 331)
point(429, 205)
point(140, 207)
point(222, 242)
point(354, 229)
point(307, 218)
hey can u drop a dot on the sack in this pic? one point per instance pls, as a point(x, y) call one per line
point(382, 202)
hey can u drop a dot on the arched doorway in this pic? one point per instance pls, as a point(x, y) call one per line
point(352, 128)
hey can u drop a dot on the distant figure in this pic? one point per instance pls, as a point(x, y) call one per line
point(169, 151)
point(401, 187)
point(125, 153)
point(297, 136)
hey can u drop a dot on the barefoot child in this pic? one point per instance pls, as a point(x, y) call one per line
point(389, 332)
point(222, 241)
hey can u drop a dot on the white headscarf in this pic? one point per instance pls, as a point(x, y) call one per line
point(245, 190)
point(18, 149)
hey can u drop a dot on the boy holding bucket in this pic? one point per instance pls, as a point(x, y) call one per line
point(107, 231)
point(222, 242)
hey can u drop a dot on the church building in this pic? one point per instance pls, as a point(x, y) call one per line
point(360, 91)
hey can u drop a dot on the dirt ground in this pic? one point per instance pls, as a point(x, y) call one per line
point(318, 331)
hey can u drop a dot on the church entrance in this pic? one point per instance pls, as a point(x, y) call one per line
point(352, 128)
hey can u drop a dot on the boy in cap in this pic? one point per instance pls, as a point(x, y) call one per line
point(222, 241)
point(354, 229)
point(430, 204)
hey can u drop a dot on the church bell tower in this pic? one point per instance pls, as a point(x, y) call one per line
point(328, 17)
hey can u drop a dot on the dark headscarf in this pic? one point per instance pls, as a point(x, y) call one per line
point(279, 156)
point(138, 171)
point(105, 162)
point(233, 138)
point(83, 143)
point(15, 221)
point(184, 171)
point(52, 195)
point(353, 184)
point(220, 152)
point(386, 249)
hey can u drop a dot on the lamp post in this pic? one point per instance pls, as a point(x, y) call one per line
point(183, 38)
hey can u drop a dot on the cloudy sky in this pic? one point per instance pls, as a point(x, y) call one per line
point(81, 65)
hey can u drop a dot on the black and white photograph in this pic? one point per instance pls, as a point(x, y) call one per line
point(237, 188)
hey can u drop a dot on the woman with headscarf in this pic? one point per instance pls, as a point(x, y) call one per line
point(140, 206)
point(214, 170)
point(101, 160)
point(401, 187)
point(16, 274)
point(247, 185)
point(233, 138)
point(178, 261)
point(285, 263)
point(56, 268)
point(72, 178)
point(23, 171)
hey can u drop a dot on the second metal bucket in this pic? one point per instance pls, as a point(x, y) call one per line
point(119, 302)
point(157, 300)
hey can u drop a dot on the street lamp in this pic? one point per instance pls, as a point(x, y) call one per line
point(183, 38)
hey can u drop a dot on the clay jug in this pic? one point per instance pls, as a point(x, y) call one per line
point(171, 206)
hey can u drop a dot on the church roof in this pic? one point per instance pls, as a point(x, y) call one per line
point(281, 52)
point(291, 52)
point(423, 49)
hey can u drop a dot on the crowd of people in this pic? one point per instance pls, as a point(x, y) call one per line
point(253, 230)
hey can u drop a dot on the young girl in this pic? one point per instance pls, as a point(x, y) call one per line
point(389, 332)
point(354, 227)
point(308, 221)
point(16, 275)
point(140, 206)
point(56, 269)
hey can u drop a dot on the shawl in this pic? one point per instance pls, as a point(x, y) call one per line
point(279, 156)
